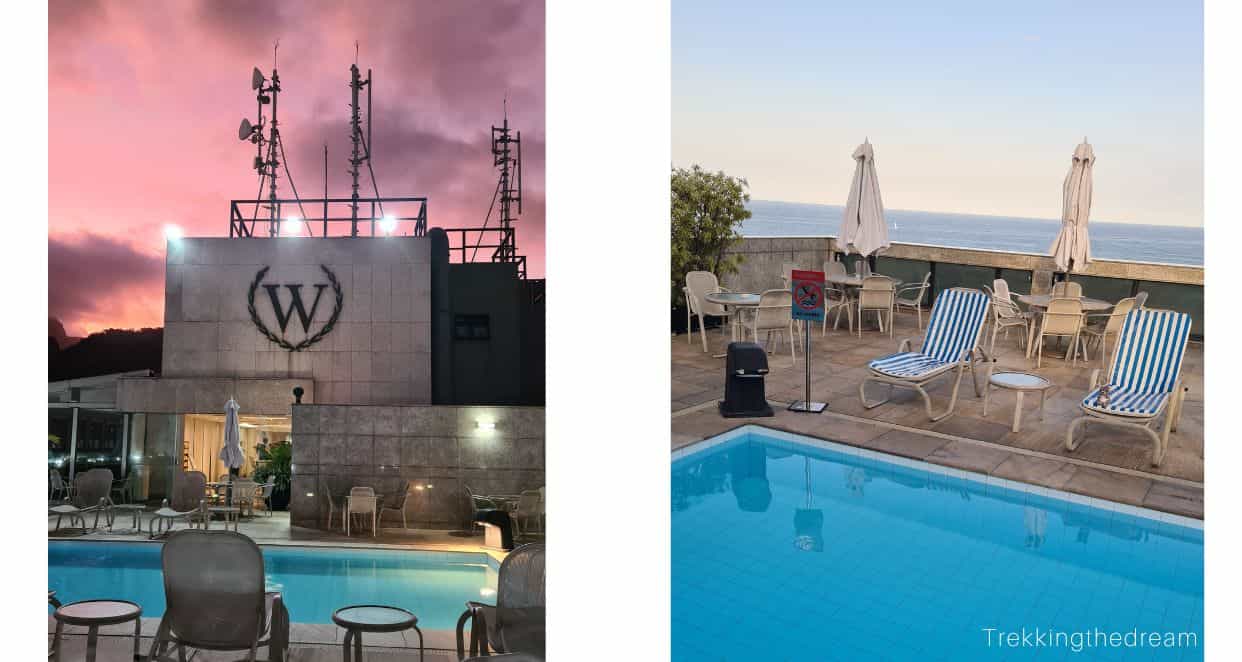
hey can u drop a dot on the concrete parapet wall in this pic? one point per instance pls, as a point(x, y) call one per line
point(207, 395)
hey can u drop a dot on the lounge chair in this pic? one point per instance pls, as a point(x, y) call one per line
point(90, 495)
point(188, 504)
point(951, 343)
point(516, 623)
point(1144, 380)
point(215, 598)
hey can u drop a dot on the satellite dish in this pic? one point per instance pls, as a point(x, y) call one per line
point(256, 79)
point(245, 130)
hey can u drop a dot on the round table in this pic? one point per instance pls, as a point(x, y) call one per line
point(737, 300)
point(1020, 383)
point(92, 614)
point(1039, 302)
point(357, 619)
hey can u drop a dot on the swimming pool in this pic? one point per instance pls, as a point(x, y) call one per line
point(786, 547)
point(315, 581)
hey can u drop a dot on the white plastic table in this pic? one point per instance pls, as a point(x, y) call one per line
point(1020, 383)
point(737, 301)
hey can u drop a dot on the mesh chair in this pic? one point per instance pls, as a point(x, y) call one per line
point(1099, 328)
point(516, 623)
point(1067, 290)
point(1000, 288)
point(215, 598)
point(361, 502)
point(397, 504)
point(877, 295)
point(772, 316)
point(1006, 315)
point(911, 297)
point(699, 284)
point(1062, 319)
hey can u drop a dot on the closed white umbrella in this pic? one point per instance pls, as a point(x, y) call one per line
point(1072, 248)
point(231, 454)
point(863, 230)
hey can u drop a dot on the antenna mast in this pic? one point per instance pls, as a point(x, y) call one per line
point(507, 156)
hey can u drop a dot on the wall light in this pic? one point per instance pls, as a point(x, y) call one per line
point(485, 425)
point(173, 233)
point(293, 225)
point(388, 224)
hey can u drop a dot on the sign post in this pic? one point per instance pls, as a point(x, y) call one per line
point(808, 306)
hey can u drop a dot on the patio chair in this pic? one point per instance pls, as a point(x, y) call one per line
point(911, 297)
point(397, 504)
point(1005, 316)
point(516, 623)
point(264, 497)
point(244, 493)
point(215, 599)
point(188, 503)
point(57, 486)
point(90, 495)
point(1067, 289)
point(787, 269)
point(529, 507)
point(1144, 380)
point(1062, 319)
point(1000, 288)
point(876, 295)
point(950, 344)
point(834, 268)
point(471, 504)
point(1140, 301)
point(862, 268)
point(1100, 327)
point(361, 502)
point(699, 284)
point(836, 298)
point(772, 316)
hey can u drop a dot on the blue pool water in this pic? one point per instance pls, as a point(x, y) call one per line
point(789, 548)
point(314, 581)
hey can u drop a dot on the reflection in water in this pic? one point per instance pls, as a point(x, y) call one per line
point(1035, 521)
point(809, 521)
point(749, 464)
point(855, 477)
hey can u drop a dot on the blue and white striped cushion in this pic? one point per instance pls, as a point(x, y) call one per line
point(1147, 363)
point(1126, 403)
point(907, 365)
point(954, 327)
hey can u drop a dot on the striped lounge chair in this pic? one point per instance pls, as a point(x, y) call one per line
point(951, 345)
point(1144, 379)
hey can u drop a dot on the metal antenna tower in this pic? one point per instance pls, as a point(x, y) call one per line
point(269, 150)
point(507, 156)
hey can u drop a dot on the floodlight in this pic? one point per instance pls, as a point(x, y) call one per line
point(256, 79)
point(293, 225)
point(173, 233)
point(388, 224)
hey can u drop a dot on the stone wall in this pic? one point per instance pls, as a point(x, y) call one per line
point(378, 352)
point(440, 449)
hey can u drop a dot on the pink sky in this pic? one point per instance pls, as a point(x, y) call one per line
point(145, 98)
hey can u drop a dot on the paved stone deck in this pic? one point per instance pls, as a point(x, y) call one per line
point(1112, 463)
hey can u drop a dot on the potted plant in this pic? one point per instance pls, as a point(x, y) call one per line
point(276, 466)
point(707, 212)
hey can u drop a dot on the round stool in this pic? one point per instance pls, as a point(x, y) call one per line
point(94, 613)
point(357, 619)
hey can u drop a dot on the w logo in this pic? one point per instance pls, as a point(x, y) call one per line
point(285, 312)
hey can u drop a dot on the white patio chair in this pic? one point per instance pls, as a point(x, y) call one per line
point(787, 269)
point(876, 295)
point(529, 507)
point(1006, 315)
point(773, 316)
point(1100, 327)
point(836, 298)
point(834, 268)
point(911, 297)
point(862, 268)
point(950, 344)
point(1067, 289)
point(1062, 319)
point(1000, 288)
point(699, 284)
point(1144, 380)
point(361, 502)
point(1140, 301)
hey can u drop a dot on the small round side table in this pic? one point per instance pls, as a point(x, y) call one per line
point(357, 619)
point(93, 614)
point(1021, 383)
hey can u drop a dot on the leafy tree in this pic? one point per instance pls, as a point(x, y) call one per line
point(707, 211)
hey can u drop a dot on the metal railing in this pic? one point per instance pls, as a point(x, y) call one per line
point(328, 217)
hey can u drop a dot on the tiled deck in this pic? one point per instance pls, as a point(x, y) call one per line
point(310, 642)
point(1112, 463)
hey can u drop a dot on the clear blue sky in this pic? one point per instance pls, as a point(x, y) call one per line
point(972, 106)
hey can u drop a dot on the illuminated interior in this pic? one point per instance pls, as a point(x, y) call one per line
point(203, 438)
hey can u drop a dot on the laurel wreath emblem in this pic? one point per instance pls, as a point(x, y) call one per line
point(310, 340)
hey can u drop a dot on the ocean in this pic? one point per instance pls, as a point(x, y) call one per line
point(1117, 241)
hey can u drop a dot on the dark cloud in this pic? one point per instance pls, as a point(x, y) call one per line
point(87, 270)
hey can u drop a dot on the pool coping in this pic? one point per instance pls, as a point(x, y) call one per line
point(701, 445)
